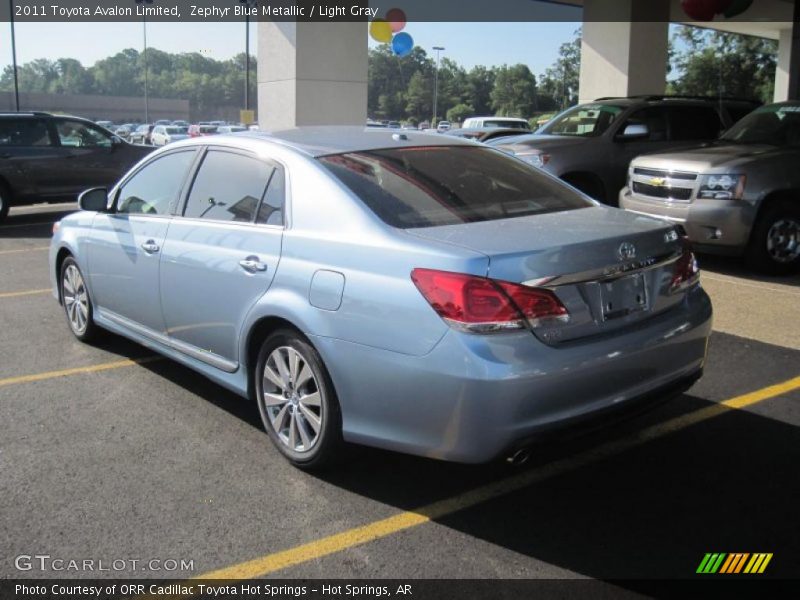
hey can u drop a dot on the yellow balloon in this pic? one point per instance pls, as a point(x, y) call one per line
point(381, 31)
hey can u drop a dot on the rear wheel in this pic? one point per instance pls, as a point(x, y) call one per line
point(297, 402)
point(775, 243)
point(5, 202)
point(76, 301)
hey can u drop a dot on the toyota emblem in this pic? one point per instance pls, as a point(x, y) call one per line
point(626, 251)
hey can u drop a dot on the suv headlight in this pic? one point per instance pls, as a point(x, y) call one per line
point(537, 159)
point(721, 187)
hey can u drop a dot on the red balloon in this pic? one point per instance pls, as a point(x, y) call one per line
point(396, 18)
point(699, 10)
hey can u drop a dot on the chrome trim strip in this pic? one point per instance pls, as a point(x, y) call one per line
point(202, 355)
point(606, 273)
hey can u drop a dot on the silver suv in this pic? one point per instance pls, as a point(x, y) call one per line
point(739, 195)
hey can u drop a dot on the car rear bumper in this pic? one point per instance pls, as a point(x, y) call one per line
point(475, 398)
point(721, 226)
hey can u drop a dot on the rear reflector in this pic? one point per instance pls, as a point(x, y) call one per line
point(482, 305)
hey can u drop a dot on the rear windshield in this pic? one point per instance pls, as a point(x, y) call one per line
point(447, 185)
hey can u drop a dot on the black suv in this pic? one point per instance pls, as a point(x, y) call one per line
point(47, 158)
point(590, 146)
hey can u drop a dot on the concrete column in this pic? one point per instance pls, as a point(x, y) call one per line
point(624, 48)
point(311, 74)
point(787, 73)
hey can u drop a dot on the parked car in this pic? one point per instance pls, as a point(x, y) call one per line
point(106, 124)
point(444, 300)
point(166, 134)
point(739, 195)
point(499, 122)
point(443, 126)
point(485, 134)
point(180, 123)
point(124, 131)
point(231, 129)
point(47, 158)
point(163, 122)
point(142, 135)
point(590, 146)
point(201, 130)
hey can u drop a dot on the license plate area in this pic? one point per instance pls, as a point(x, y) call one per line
point(622, 297)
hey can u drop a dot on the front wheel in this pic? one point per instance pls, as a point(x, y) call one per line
point(775, 244)
point(76, 301)
point(297, 402)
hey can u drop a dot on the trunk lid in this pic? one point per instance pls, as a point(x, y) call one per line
point(610, 268)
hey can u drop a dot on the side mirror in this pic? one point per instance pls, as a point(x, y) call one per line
point(635, 131)
point(95, 199)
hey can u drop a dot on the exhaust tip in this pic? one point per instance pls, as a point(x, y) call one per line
point(520, 457)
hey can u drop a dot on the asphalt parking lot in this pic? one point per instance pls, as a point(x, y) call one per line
point(108, 454)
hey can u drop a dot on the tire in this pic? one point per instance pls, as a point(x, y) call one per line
point(5, 201)
point(775, 242)
point(303, 421)
point(75, 299)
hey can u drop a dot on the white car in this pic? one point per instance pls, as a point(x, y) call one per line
point(500, 122)
point(165, 134)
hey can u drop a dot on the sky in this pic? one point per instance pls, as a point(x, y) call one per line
point(533, 44)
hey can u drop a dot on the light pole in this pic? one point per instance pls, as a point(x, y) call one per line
point(144, 55)
point(248, 4)
point(436, 85)
point(14, 55)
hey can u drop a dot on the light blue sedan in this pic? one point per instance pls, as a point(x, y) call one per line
point(413, 292)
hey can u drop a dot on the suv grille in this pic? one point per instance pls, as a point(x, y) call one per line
point(663, 185)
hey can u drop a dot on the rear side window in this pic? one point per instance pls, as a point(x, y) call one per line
point(694, 123)
point(271, 210)
point(24, 132)
point(448, 185)
point(155, 186)
point(228, 187)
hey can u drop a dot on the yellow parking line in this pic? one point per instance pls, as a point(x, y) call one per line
point(21, 250)
point(24, 293)
point(277, 561)
point(128, 362)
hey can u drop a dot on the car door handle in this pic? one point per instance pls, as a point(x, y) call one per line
point(252, 264)
point(150, 247)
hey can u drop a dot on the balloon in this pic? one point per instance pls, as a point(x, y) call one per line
point(380, 31)
point(699, 10)
point(737, 7)
point(402, 44)
point(397, 19)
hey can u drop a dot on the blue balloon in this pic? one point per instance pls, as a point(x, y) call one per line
point(402, 44)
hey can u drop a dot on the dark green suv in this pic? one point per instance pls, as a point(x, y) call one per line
point(48, 158)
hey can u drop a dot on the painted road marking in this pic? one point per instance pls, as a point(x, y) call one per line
point(24, 293)
point(21, 250)
point(128, 362)
point(332, 544)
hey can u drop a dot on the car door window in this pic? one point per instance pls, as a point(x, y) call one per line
point(271, 210)
point(688, 123)
point(154, 187)
point(655, 117)
point(80, 135)
point(228, 187)
point(24, 132)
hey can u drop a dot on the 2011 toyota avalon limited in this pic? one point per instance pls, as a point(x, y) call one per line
point(409, 291)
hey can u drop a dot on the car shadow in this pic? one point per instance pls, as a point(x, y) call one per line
point(37, 225)
point(736, 267)
point(651, 511)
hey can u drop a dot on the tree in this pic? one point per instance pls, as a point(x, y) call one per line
point(718, 63)
point(419, 98)
point(558, 86)
point(459, 112)
point(514, 93)
point(480, 82)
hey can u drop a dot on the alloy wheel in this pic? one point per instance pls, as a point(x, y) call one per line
point(292, 399)
point(783, 240)
point(76, 299)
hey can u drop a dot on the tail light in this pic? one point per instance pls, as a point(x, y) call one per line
point(686, 270)
point(482, 305)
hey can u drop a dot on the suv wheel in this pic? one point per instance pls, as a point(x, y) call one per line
point(775, 244)
point(5, 202)
point(297, 402)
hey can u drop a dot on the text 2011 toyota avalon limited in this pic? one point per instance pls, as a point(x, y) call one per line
point(401, 290)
